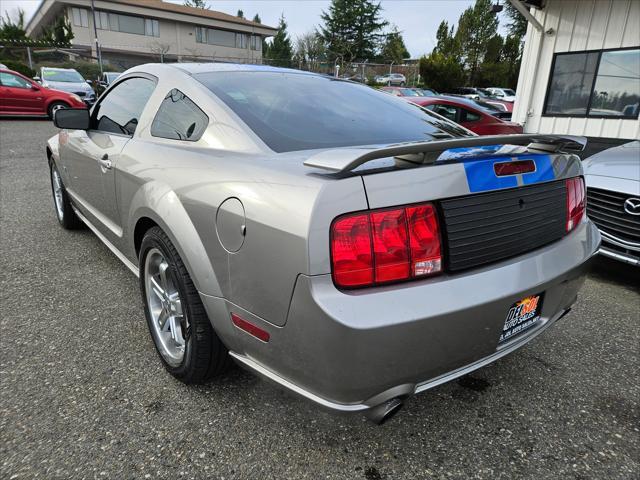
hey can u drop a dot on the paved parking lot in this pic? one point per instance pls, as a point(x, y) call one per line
point(82, 394)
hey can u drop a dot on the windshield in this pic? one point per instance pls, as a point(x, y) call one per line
point(508, 91)
point(62, 76)
point(291, 111)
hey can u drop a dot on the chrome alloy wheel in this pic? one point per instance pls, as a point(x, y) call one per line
point(56, 107)
point(57, 193)
point(169, 324)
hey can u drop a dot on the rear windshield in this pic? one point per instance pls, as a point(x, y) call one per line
point(290, 111)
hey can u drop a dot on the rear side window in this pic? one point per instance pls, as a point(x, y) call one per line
point(178, 118)
point(469, 116)
point(120, 110)
point(297, 111)
point(9, 80)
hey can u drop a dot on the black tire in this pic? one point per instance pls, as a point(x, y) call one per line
point(55, 106)
point(64, 212)
point(205, 356)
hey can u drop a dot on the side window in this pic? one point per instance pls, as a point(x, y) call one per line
point(9, 80)
point(447, 111)
point(178, 118)
point(120, 111)
point(469, 116)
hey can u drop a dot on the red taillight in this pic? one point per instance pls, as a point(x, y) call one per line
point(386, 245)
point(576, 202)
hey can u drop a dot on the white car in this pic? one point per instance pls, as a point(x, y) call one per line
point(613, 200)
point(505, 94)
point(395, 79)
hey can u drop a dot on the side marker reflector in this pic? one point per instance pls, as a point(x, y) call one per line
point(250, 328)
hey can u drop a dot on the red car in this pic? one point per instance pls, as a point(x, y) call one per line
point(469, 114)
point(22, 96)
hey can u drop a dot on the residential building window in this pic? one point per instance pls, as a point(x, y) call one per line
point(241, 40)
point(80, 17)
point(224, 38)
point(127, 24)
point(602, 83)
point(256, 42)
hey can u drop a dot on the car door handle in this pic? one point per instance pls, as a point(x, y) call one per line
point(105, 162)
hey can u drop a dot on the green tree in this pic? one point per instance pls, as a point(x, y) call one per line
point(310, 51)
point(240, 14)
point(352, 29)
point(393, 49)
point(446, 41)
point(13, 29)
point(279, 51)
point(441, 72)
point(256, 18)
point(517, 25)
point(492, 70)
point(197, 4)
point(477, 25)
point(59, 32)
point(511, 57)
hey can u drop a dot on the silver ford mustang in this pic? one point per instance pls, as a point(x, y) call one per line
point(347, 245)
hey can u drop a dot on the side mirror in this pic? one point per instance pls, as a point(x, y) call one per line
point(35, 88)
point(37, 79)
point(72, 119)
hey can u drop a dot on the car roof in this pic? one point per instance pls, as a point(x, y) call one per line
point(194, 68)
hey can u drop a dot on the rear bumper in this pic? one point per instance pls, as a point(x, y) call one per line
point(350, 351)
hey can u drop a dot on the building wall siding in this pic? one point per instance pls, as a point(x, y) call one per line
point(578, 25)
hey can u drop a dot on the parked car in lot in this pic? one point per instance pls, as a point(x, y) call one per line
point(331, 253)
point(21, 96)
point(106, 79)
point(403, 91)
point(483, 120)
point(506, 94)
point(391, 79)
point(67, 80)
point(613, 193)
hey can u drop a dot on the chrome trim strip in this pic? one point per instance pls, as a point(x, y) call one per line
point(342, 407)
point(619, 256)
point(420, 387)
point(109, 245)
point(618, 241)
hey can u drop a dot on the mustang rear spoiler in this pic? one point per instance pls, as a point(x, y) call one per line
point(346, 159)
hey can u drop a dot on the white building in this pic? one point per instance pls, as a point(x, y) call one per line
point(131, 32)
point(580, 72)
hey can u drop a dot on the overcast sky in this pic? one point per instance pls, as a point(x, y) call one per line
point(417, 19)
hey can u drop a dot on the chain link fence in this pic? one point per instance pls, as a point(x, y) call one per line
point(118, 58)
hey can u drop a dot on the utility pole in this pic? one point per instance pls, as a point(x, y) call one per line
point(95, 34)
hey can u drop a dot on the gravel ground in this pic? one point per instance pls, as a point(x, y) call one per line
point(82, 394)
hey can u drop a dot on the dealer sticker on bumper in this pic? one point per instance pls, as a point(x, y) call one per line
point(522, 316)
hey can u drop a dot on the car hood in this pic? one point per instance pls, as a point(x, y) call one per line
point(69, 86)
point(618, 162)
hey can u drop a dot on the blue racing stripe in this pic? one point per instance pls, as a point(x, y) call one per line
point(481, 176)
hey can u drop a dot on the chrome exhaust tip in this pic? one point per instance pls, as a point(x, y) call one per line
point(385, 411)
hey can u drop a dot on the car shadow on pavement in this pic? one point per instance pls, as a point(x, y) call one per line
point(615, 272)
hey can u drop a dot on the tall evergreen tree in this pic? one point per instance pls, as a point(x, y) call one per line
point(517, 25)
point(476, 26)
point(60, 32)
point(280, 51)
point(394, 50)
point(197, 4)
point(256, 18)
point(240, 14)
point(11, 29)
point(352, 29)
point(446, 41)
